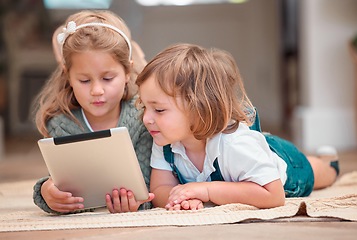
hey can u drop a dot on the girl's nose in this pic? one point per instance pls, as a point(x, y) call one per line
point(97, 89)
point(147, 119)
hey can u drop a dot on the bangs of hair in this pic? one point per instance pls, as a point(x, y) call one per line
point(91, 38)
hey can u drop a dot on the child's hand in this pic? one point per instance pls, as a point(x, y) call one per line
point(193, 190)
point(59, 201)
point(192, 204)
point(124, 201)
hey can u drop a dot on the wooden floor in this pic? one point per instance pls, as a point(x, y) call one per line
point(23, 161)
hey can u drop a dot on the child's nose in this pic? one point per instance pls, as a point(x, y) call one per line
point(147, 119)
point(97, 89)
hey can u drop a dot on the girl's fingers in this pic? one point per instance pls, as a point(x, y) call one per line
point(116, 201)
point(109, 203)
point(65, 208)
point(124, 200)
point(133, 204)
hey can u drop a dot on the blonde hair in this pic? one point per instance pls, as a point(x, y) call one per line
point(57, 96)
point(209, 83)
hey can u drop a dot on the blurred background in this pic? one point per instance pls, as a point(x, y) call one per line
point(295, 56)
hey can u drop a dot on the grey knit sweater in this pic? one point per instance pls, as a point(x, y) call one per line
point(129, 117)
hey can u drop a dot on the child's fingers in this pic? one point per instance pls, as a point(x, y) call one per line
point(62, 203)
point(116, 201)
point(55, 193)
point(65, 208)
point(174, 208)
point(121, 201)
point(176, 199)
point(65, 197)
point(124, 200)
point(195, 204)
point(179, 194)
point(70, 200)
point(109, 203)
point(185, 205)
point(133, 205)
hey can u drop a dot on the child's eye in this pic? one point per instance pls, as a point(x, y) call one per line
point(107, 78)
point(84, 81)
point(159, 110)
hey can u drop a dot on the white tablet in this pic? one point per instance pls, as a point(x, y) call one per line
point(90, 165)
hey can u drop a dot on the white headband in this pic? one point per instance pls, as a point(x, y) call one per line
point(72, 27)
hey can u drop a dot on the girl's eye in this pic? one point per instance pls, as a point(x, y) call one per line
point(159, 110)
point(107, 78)
point(84, 81)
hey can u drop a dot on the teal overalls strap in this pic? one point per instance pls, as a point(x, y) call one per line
point(256, 125)
point(269, 138)
point(169, 157)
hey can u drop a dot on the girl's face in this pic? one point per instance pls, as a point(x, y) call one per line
point(164, 119)
point(98, 83)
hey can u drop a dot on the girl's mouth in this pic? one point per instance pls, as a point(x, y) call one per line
point(98, 103)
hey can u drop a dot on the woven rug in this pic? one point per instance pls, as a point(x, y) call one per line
point(336, 203)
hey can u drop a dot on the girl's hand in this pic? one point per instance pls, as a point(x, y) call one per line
point(188, 191)
point(124, 201)
point(192, 204)
point(59, 201)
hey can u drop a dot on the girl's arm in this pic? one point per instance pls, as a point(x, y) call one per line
point(267, 196)
point(161, 183)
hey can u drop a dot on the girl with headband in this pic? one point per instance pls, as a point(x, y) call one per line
point(92, 89)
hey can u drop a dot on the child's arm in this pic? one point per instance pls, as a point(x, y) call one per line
point(267, 196)
point(161, 183)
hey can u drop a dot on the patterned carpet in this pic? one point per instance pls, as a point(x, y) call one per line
point(336, 203)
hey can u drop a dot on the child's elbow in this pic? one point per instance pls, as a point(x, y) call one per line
point(274, 199)
point(273, 203)
point(276, 194)
point(278, 200)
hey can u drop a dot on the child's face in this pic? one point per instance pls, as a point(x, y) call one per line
point(164, 119)
point(98, 83)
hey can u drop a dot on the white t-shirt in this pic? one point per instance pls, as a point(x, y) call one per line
point(243, 155)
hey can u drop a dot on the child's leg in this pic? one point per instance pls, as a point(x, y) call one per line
point(325, 168)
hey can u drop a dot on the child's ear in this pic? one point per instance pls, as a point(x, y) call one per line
point(132, 66)
point(63, 68)
point(127, 77)
point(66, 73)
